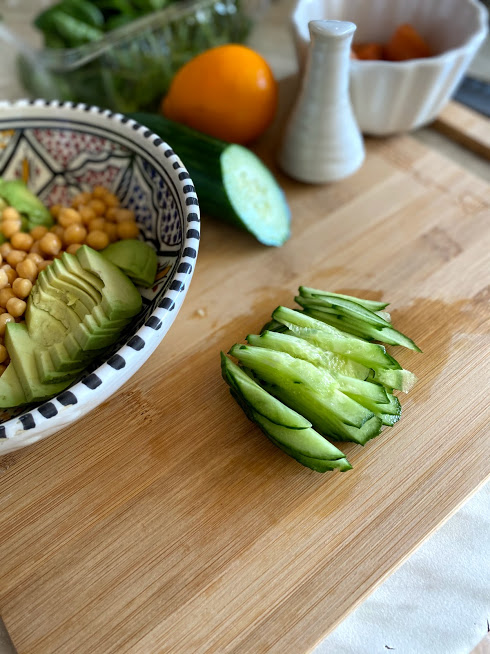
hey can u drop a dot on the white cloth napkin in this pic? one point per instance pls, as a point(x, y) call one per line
point(437, 602)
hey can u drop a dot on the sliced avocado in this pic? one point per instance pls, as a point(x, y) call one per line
point(47, 370)
point(61, 271)
point(43, 327)
point(11, 391)
point(70, 299)
point(120, 298)
point(91, 341)
point(102, 320)
point(22, 350)
point(69, 353)
point(135, 258)
point(53, 306)
point(86, 280)
point(96, 329)
point(17, 195)
point(70, 292)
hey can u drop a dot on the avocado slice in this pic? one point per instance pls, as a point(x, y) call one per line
point(120, 298)
point(22, 350)
point(68, 298)
point(17, 195)
point(59, 269)
point(73, 266)
point(49, 303)
point(11, 391)
point(71, 294)
point(48, 372)
point(135, 258)
point(67, 354)
point(42, 326)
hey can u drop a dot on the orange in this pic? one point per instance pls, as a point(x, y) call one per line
point(228, 92)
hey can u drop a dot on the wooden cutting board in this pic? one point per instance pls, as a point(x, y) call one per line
point(165, 522)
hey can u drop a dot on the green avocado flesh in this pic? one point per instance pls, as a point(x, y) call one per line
point(16, 194)
point(135, 258)
point(78, 307)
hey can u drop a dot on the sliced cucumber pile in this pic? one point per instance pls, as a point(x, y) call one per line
point(315, 373)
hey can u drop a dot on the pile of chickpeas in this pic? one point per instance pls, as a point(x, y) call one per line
point(94, 218)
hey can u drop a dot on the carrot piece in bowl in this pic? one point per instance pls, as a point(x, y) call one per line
point(406, 43)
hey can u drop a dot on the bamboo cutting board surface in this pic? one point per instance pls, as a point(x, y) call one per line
point(166, 522)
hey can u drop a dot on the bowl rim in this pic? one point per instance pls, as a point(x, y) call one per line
point(91, 390)
point(471, 42)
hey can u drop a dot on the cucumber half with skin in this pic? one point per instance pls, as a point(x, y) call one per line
point(231, 182)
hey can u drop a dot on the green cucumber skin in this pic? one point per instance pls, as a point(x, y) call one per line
point(259, 399)
point(202, 156)
point(302, 378)
point(372, 305)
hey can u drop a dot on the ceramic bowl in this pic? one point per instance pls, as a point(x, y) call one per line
point(67, 149)
point(390, 97)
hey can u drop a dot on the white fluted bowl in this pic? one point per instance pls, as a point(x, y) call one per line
point(390, 97)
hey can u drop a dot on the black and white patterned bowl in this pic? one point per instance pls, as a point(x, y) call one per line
point(61, 149)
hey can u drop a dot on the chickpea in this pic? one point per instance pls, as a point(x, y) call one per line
point(98, 206)
point(69, 217)
point(4, 280)
point(10, 213)
point(15, 257)
point(122, 215)
point(73, 247)
point(96, 224)
point(81, 198)
point(128, 229)
point(111, 200)
point(38, 232)
point(22, 287)
point(99, 192)
point(87, 214)
point(111, 214)
point(16, 307)
point(44, 264)
point(4, 319)
point(3, 353)
point(50, 244)
point(97, 239)
point(35, 248)
point(5, 248)
point(10, 272)
point(58, 230)
point(1, 259)
point(111, 230)
point(6, 294)
point(3, 368)
point(55, 210)
point(74, 234)
point(22, 241)
point(10, 227)
point(27, 269)
point(34, 256)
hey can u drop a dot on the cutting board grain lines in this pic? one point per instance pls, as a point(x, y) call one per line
point(166, 523)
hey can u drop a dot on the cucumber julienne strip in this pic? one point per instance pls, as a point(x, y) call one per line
point(284, 370)
point(373, 305)
point(257, 397)
point(323, 335)
point(344, 307)
point(318, 410)
point(357, 327)
point(301, 349)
